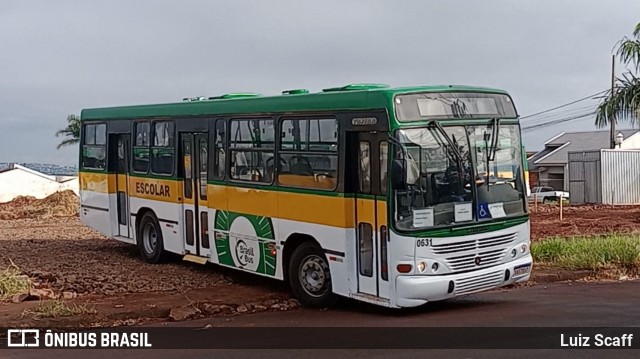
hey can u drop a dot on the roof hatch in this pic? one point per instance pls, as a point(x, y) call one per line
point(356, 87)
point(295, 92)
point(229, 96)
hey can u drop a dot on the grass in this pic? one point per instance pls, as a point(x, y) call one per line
point(593, 253)
point(58, 308)
point(12, 282)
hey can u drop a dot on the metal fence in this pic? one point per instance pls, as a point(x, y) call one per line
point(584, 177)
point(604, 176)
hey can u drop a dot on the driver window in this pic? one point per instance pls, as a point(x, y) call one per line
point(308, 154)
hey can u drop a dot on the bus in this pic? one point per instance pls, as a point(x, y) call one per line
point(391, 196)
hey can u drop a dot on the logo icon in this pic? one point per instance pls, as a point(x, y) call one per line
point(244, 253)
point(20, 338)
point(477, 261)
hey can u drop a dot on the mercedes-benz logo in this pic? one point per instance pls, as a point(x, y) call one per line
point(477, 261)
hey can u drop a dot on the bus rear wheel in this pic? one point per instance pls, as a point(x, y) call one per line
point(150, 240)
point(309, 276)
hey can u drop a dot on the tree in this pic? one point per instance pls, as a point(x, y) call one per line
point(623, 103)
point(71, 133)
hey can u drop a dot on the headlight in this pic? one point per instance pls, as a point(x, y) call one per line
point(434, 267)
point(513, 253)
point(421, 266)
point(523, 248)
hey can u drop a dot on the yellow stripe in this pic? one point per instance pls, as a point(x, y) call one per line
point(366, 211)
point(155, 189)
point(382, 213)
point(252, 201)
point(97, 182)
point(332, 211)
point(327, 210)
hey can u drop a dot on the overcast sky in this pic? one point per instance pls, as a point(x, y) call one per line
point(58, 57)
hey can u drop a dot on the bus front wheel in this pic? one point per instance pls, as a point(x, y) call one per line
point(150, 239)
point(309, 276)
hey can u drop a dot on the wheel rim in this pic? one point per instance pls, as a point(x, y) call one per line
point(314, 275)
point(150, 238)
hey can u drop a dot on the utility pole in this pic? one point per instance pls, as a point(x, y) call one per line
point(612, 117)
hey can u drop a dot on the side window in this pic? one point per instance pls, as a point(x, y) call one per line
point(364, 159)
point(308, 155)
point(251, 147)
point(220, 148)
point(140, 161)
point(204, 157)
point(384, 148)
point(186, 162)
point(94, 147)
point(163, 148)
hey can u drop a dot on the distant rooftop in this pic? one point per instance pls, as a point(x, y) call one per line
point(556, 150)
point(44, 168)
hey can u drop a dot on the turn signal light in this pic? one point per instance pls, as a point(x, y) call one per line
point(404, 268)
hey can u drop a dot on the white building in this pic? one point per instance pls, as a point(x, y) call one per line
point(17, 180)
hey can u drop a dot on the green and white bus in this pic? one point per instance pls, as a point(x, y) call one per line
point(392, 196)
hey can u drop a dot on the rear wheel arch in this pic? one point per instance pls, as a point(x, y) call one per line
point(307, 271)
point(149, 237)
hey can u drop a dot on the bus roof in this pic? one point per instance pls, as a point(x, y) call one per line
point(349, 97)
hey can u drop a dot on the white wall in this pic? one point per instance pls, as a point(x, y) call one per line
point(72, 185)
point(16, 182)
point(632, 142)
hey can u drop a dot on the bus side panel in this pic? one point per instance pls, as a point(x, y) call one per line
point(94, 201)
point(336, 243)
point(328, 218)
point(217, 202)
point(161, 196)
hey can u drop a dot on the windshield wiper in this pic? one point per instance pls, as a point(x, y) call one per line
point(495, 132)
point(444, 134)
point(490, 151)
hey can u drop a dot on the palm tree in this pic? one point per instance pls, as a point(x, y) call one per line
point(623, 103)
point(71, 132)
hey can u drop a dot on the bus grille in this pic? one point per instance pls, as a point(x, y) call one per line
point(468, 261)
point(469, 245)
point(475, 253)
point(478, 283)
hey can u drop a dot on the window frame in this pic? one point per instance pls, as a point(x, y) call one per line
point(84, 144)
point(225, 149)
point(171, 146)
point(308, 151)
point(135, 146)
point(231, 148)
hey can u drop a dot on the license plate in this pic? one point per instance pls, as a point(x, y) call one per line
point(520, 270)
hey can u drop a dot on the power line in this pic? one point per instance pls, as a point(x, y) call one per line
point(561, 113)
point(565, 105)
point(554, 122)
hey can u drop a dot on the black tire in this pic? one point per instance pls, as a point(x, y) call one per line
point(545, 200)
point(310, 278)
point(150, 240)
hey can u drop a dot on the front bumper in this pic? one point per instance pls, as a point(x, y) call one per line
point(412, 291)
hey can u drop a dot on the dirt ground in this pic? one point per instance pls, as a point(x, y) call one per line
point(48, 243)
point(583, 220)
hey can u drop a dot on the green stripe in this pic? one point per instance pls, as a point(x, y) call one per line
point(274, 188)
point(102, 172)
point(151, 176)
point(476, 228)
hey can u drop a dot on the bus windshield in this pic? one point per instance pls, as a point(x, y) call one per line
point(459, 174)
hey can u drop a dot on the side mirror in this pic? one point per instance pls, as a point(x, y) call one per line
point(399, 174)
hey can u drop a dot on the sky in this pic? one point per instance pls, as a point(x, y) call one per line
point(58, 57)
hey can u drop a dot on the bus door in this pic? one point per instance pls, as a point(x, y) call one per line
point(371, 214)
point(194, 154)
point(122, 185)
